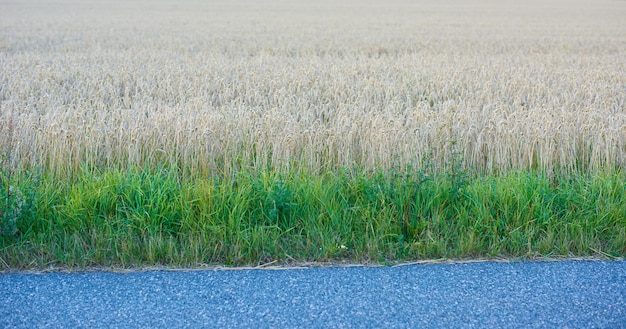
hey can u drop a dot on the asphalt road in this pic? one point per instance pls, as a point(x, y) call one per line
point(563, 294)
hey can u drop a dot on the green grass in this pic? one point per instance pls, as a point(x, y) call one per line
point(134, 217)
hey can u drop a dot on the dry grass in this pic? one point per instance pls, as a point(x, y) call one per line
point(212, 86)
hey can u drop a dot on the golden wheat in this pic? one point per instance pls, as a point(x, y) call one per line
point(212, 86)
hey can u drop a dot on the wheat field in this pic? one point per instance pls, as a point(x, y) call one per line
point(213, 85)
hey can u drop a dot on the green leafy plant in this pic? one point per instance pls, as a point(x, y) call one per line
point(276, 200)
point(12, 210)
point(456, 173)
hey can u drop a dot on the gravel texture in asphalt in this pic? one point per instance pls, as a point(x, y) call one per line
point(561, 294)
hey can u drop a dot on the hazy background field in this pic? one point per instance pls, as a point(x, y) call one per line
point(212, 85)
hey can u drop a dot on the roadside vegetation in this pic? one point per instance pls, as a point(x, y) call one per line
point(135, 218)
point(303, 133)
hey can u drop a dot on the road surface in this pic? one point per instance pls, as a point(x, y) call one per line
point(562, 294)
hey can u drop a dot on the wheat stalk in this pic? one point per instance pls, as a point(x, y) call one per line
point(214, 100)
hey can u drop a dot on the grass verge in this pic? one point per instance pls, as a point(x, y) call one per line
point(130, 218)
